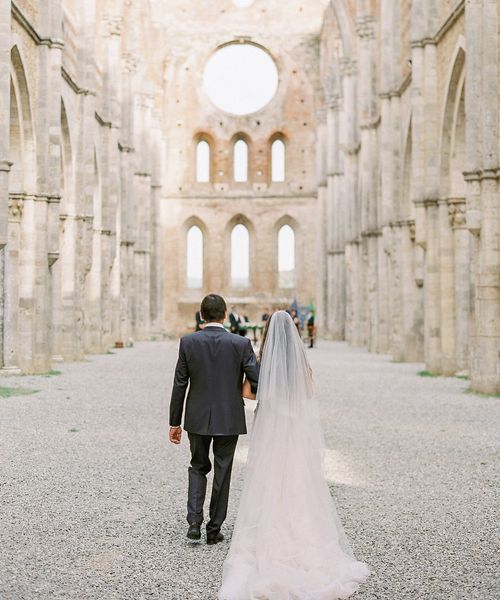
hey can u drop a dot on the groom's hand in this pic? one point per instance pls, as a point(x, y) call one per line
point(175, 434)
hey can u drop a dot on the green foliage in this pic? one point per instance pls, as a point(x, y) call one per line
point(481, 394)
point(314, 42)
point(427, 374)
point(52, 373)
point(430, 374)
point(9, 392)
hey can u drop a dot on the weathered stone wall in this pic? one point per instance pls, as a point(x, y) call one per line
point(260, 204)
point(79, 135)
point(389, 113)
point(410, 182)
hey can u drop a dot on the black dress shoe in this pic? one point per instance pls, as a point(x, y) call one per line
point(214, 538)
point(194, 532)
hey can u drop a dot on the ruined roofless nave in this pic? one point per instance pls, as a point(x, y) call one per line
point(367, 183)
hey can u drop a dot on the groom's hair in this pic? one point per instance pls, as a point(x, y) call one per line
point(213, 308)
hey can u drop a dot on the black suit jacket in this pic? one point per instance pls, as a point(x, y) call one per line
point(212, 362)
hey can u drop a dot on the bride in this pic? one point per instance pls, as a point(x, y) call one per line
point(288, 542)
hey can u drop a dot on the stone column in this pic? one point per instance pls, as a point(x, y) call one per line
point(323, 277)
point(482, 176)
point(461, 243)
point(11, 295)
point(411, 285)
point(349, 230)
point(425, 174)
point(5, 46)
point(126, 237)
point(335, 195)
point(155, 304)
point(486, 367)
point(447, 290)
point(367, 284)
point(432, 289)
point(35, 291)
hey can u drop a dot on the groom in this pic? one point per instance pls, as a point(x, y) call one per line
point(213, 362)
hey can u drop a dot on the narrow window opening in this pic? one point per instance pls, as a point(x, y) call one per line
point(241, 161)
point(194, 258)
point(203, 162)
point(240, 256)
point(278, 160)
point(286, 257)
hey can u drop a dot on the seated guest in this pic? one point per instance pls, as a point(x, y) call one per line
point(235, 320)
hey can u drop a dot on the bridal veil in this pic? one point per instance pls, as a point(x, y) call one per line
point(288, 542)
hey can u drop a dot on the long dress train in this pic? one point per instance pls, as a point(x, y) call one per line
point(288, 542)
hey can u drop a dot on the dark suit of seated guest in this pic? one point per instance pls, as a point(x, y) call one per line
point(236, 323)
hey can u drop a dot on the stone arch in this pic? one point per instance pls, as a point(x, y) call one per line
point(345, 25)
point(22, 130)
point(287, 220)
point(404, 40)
point(97, 193)
point(67, 170)
point(452, 146)
point(336, 45)
point(405, 204)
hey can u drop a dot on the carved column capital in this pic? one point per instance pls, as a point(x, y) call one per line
point(321, 115)
point(5, 165)
point(131, 62)
point(348, 66)
point(334, 101)
point(457, 215)
point(365, 27)
point(16, 204)
point(113, 24)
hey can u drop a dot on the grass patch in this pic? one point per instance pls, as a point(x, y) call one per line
point(73, 430)
point(427, 374)
point(109, 352)
point(52, 373)
point(481, 394)
point(8, 392)
point(430, 374)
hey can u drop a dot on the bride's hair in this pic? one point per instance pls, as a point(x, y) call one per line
point(264, 336)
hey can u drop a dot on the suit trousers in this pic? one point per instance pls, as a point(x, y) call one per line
point(223, 449)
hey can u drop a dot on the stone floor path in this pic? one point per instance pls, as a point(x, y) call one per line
point(92, 496)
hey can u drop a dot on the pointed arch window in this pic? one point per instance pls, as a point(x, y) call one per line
point(240, 256)
point(278, 160)
point(203, 162)
point(194, 258)
point(240, 161)
point(286, 257)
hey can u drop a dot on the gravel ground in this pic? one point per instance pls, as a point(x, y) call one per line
point(93, 496)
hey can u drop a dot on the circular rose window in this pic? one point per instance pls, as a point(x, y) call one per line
point(241, 78)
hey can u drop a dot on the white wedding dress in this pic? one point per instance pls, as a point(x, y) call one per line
point(288, 542)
